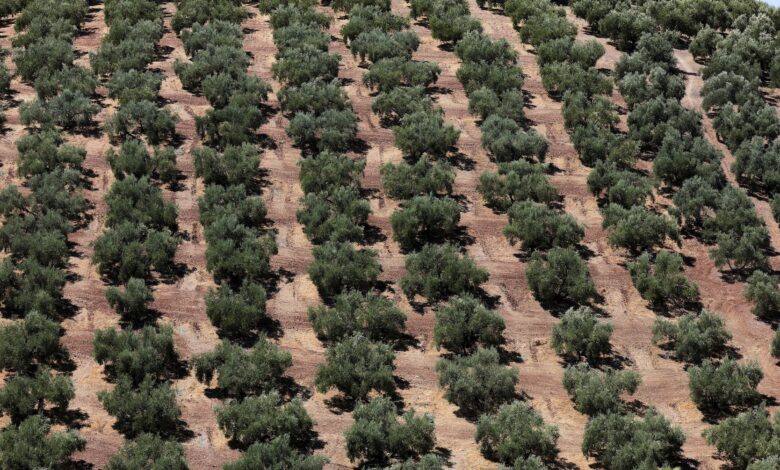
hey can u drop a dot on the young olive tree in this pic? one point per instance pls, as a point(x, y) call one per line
point(477, 383)
point(464, 323)
point(693, 338)
point(579, 335)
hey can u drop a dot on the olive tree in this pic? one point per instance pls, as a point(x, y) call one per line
point(237, 313)
point(277, 452)
point(560, 275)
point(31, 445)
point(148, 452)
point(424, 219)
point(464, 323)
point(437, 272)
point(243, 372)
point(263, 418)
point(762, 290)
point(27, 395)
point(746, 439)
point(579, 335)
point(377, 435)
point(597, 392)
point(376, 317)
point(425, 132)
point(149, 407)
point(28, 343)
point(721, 387)
point(516, 432)
point(516, 181)
point(356, 366)
point(693, 338)
point(339, 267)
point(477, 383)
point(626, 441)
point(137, 355)
point(538, 227)
point(662, 283)
point(424, 177)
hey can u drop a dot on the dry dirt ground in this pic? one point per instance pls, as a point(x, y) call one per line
point(180, 302)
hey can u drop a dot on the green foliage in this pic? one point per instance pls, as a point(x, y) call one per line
point(127, 47)
point(424, 177)
point(132, 303)
point(263, 418)
point(562, 274)
point(509, 104)
point(540, 228)
point(693, 338)
point(705, 42)
point(756, 165)
point(28, 343)
point(598, 392)
point(464, 323)
point(235, 165)
point(694, 203)
point(31, 286)
point(142, 118)
point(30, 446)
point(148, 408)
point(276, 454)
point(364, 18)
point(638, 229)
point(24, 396)
point(627, 442)
point(328, 171)
point(148, 452)
point(763, 292)
point(333, 130)
point(386, 74)
point(425, 133)
point(650, 121)
point(754, 117)
point(237, 313)
point(477, 383)
point(724, 88)
point(438, 272)
point(376, 45)
point(372, 315)
point(391, 106)
point(742, 251)
point(138, 201)
point(506, 142)
point(356, 366)
point(495, 77)
point(337, 215)
point(45, 151)
point(579, 335)
point(721, 387)
point(560, 78)
point(425, 218)
point(682, 157)
point(235, 252)
point(137, 355)
point(516, 432)
point(516, 181)
point(215, 33)
point(43, 57)
point(129, 251)
point(377, 435)
point(243, 372)
point(314, 97)
point(70, 110)
point(300, 65)
point(746, 438)
point(190, 12)
point(663, 282)
point(339, 267)
point(539, 29)
point(637, 87)
point(133, 159)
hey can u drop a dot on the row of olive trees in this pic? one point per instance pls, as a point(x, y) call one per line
point(259, 414)
point(140, 240)
point(474, 375)
point(33, 236)
point(568, 70)
point(690, 166)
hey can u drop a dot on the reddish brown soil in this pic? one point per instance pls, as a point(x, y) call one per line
point(180, 303)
